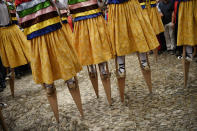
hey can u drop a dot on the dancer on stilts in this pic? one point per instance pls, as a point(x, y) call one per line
point(187, 32)
point(130, 32)
point(14, 48)
point(91, 41)
point(52, 57)
point(150, 10)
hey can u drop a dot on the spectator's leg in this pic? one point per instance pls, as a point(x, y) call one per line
point(163, 42)
point(167, 37)
point(3, 70)
point(17, 72)
point(172, 36)
point(2, 76)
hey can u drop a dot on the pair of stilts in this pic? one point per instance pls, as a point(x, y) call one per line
point(52, 96)
point(105, 78)
point(120, 79)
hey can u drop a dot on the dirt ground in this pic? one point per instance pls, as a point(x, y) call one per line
point(169, 108)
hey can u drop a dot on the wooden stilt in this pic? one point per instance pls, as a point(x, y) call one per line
point(11, 81)
point(155, 51)
point(52, 98)
point(94, 79)
point(186, 65)
point(75, 93)
point(2, 121)
point(121, 81)
point(146, 73)
point(106, 83)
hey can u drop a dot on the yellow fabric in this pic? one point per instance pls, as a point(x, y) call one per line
point(14, 48)
point(14, 18)
point(91, 41)
point(68, 34)
point(63, 18)
point(187, 25)
point(143, 3)
point(155, 19)
point(41, 25)
point(53, 58)
point(129, 30)
point(152, 2)
point(90, 12)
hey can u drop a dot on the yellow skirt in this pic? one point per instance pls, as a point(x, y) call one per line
point(68, 33)
point(130, 30)
point(91, 41)
point(53, 58)
point(187, 23)
point(155, 20)
point(14, 48)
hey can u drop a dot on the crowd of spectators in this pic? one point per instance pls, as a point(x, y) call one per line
point(169, 37)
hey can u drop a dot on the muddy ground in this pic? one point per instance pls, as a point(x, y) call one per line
point(169, 108)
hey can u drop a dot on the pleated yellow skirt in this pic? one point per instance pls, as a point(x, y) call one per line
point(53, 58)
point(187, 23)
point(14, 48)
point(155, 20)
point(91, 41)
point(68, 33)
point(130, 30)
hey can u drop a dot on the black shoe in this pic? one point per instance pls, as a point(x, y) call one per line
point(3, 85)
point(171, 52)
point(18, 76)
point(1, 89)
point(160, 52)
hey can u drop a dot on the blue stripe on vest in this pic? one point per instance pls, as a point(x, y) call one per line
point(87, 17)
point(43, 31)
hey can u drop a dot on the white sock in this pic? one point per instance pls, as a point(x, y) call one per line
point(102, 67)
point(48, 85)
point(121, 63)
point(189, 51)
point(70, 81)
point(143, 59)
point(92, 69)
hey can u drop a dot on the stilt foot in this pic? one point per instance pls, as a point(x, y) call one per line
point(75, 93)
point(52, 98)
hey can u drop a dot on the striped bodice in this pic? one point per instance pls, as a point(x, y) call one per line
point(145, 3)
point(64, 16)
point(84, 9)
point(116, 1)
point(37, 17)
point(12, 11)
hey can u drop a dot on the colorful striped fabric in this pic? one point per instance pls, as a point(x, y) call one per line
point(18, 2)
point(84, 9)
point(12, 11)
point(64, 16)
point(38, 17)
point(145, 3)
